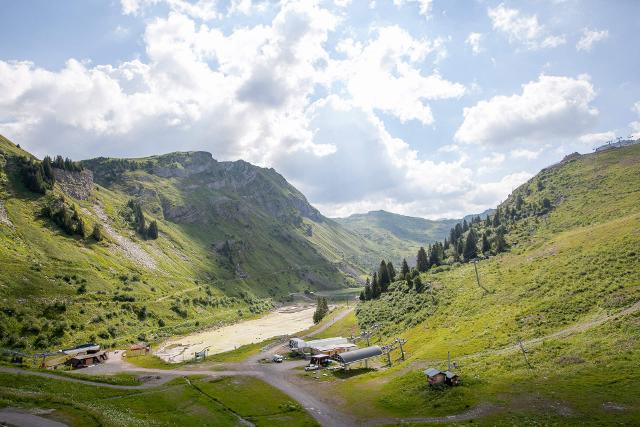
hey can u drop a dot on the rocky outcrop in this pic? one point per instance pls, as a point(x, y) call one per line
point(75, 184)
point(4, 218)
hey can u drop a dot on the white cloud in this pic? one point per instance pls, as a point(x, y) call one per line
point(270, 93)
point(490, 194)
point(596, 138)
point(522, 153)
point(473, 40)
point(589, 37)
point(424, 6)
point(491, 163)
point(523, 29)
point(390, 63)
point(552, 107)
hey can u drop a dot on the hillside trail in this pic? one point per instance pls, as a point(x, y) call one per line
point(283, 377)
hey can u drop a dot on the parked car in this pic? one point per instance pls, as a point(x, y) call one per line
point(277, 358)
point(312, 367)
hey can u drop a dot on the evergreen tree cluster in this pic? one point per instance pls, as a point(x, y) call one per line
point(322, 308)
point(468, 240)
point(382, 278)
point(65, 164)
point(37, 176)
point(66, 216)
point(137, 218)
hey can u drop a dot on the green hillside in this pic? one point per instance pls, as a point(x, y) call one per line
point(234, 239)
point(568, 287)
point(399, 236)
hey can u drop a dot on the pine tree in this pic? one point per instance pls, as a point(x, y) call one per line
point(383, 277)
point(500, 243)
point(422, 262)
point(368, 293)
point(465, 226)
point(458, 231)
point(487, 221)
point(322, 308)
point(152, 232)
point(435, 257)
point(496, 219)
point(392, 272)
point(375, 287)
point(419, 286)
point(470, 250)
point(404, 271)
point(362, 298)
point(486, 247)
point(446, 244)
point(48, 169)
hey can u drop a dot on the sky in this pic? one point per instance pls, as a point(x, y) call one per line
point(427, 108)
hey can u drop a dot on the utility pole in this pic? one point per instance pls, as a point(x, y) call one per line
point(524, 353)
point(400, 342)
point(475, 265)
point(448, 360)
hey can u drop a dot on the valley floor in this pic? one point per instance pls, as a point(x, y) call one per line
point(320, 394)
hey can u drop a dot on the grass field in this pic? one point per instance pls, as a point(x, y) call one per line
point(183, 401)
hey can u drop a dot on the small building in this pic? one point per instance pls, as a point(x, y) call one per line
point(319, 359)
point(332, 350)
point(139, 349)
point(299, 345)
point(296, 344)
point(85, 360)
point(434, 376)
point(451, 378)
point(359, 355)
point(81, 349)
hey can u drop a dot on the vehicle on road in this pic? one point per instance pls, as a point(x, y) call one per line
point(312, 367)
point(277, 358)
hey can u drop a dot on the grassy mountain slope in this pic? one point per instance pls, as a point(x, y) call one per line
point(569, 288)
point(399, 236)
point(233, 239)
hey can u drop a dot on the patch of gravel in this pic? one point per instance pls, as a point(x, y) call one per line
point(4, 218)
point(130, 248)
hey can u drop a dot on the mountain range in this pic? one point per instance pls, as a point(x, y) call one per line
point(233, 239)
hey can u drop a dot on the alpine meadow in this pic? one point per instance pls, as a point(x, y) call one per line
point(319, 213)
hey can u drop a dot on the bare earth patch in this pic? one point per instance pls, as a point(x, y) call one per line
point(284, 321)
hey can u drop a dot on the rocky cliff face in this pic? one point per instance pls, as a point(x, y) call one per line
point(75, 184)
point(230, 190)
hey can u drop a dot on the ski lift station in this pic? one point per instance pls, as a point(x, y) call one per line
point(359, 355)
point(330, 346)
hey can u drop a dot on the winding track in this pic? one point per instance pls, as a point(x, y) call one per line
point(280, 376)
